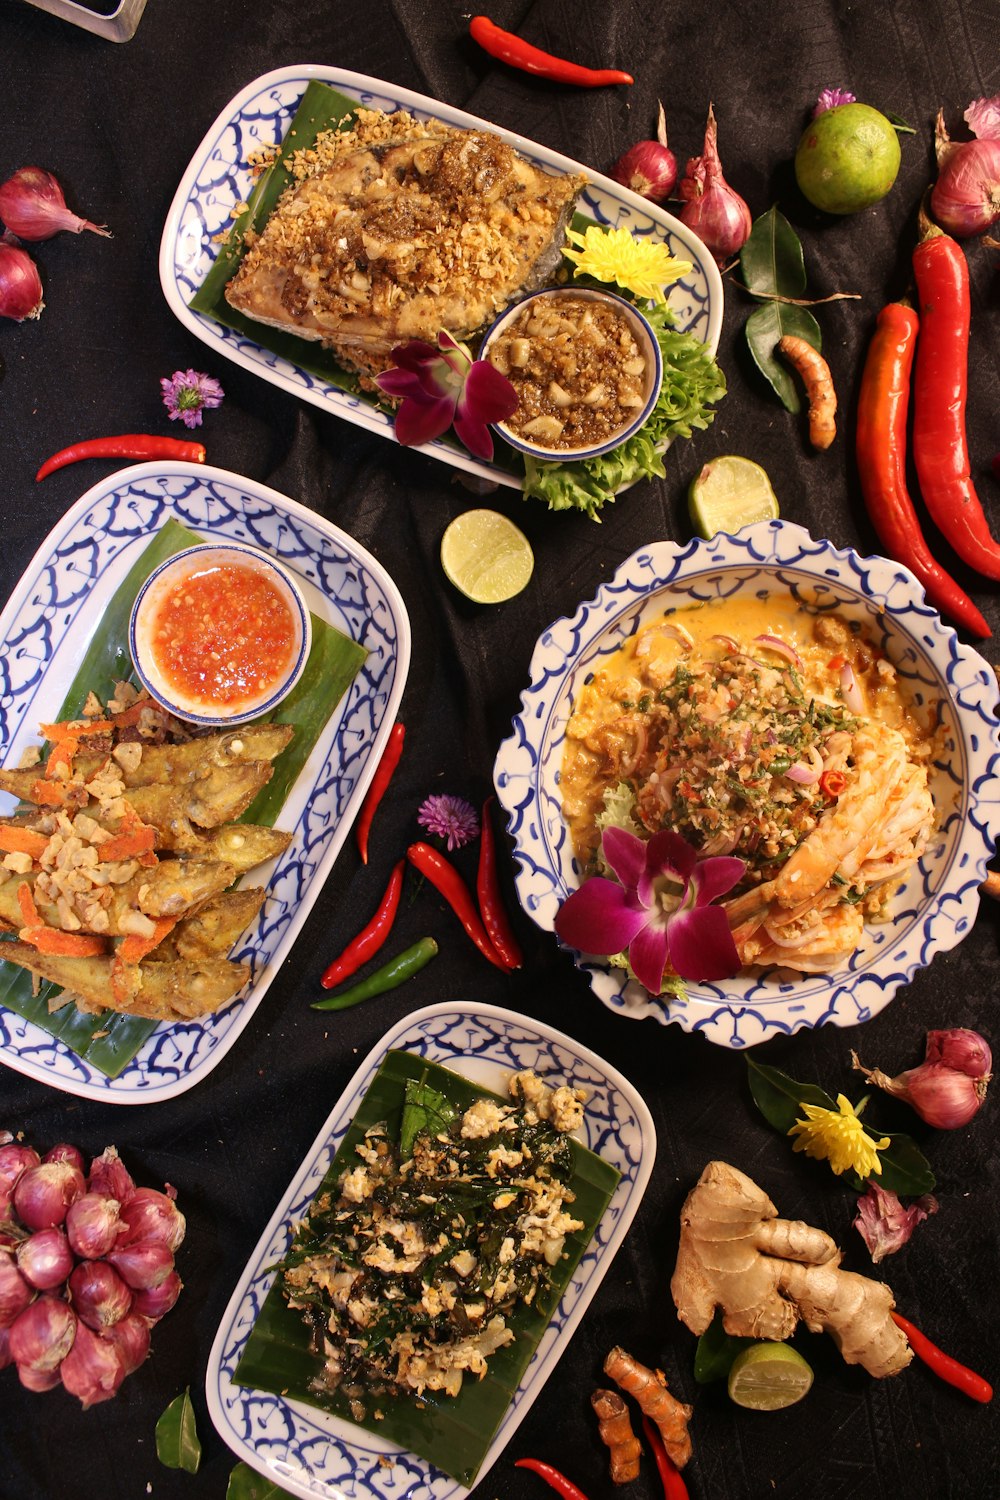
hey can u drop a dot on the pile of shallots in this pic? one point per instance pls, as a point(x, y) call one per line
point(86, 1268)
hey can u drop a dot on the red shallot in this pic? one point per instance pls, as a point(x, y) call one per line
point(42, 1336)
point(20, 284)
point(45, 1259)
point(93, 1225)
point(43, 1194)
point(38, 1380)
point(717, 214)
point(33, 207)
point(15, 1293)
point(109, 1177)
point(93, 1369)
point(157, 1300)
point(965, 199)
point(65, 1152)
point(649, 168)
point(965, 1051)
point(99, 1295)
point(142, 1266)
point(131, 1338)
point(5, 1358)
point(943, 1095)
point(152, 1216)
point(13, 1160)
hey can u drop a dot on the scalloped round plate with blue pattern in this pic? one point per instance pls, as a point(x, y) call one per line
point(937, 903)
point(55, 611)
point(315, 1455)
point(219, 177)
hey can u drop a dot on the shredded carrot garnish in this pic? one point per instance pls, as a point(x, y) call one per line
point(26, 902)
point(133, 948)
point(74, 729)
point(133, 839)
point(49, 793)
point(62, 755)
point(53, 940)
point(23, 841)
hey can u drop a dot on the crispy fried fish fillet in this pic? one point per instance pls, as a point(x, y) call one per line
point(402, 229)
point(176, 990)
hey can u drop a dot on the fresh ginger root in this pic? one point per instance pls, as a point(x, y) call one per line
point(766, 1273)
point(615, 1428)
point(649, 1387)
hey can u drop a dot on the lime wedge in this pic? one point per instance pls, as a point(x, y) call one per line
point(486, 557)
point(767, 1377)
point(730, 492)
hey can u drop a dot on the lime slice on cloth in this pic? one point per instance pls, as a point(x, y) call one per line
point(486, 557)
point(730, 492)
point(767, 1377)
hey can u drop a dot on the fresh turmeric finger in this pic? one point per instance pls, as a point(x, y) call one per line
point(616, 1432)
point(818, 381)
point(649, 1387)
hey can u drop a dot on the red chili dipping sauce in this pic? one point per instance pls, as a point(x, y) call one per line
point(222, 637)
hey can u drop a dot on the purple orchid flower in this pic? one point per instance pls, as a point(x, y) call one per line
point(446, 387)
point(648, 916)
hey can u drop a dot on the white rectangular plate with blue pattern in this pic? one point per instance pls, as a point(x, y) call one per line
point(219, 178)
point(317, 1456)
point(54, 613)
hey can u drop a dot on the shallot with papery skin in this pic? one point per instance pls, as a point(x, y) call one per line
point(93, 1225)
point(965, 1051)
point(944, 1096)
point(43, 1335)
point(965, 200)
point(109, 1176)
point(144, 1265)
point(45, 1259)
point(884, 1224)
point(93, 1369)
point(717, 214)
point(43, 1194)
point(20, 284)
point(33, 207)
point(65, 1152)
point(131, 1338)
point(14, 1159)
point(152, 1216)
point(15, 1292)
point(99, 1295)
point(38, 1380)
point(650, 167)
point(5, 1358)
point(152, 1304)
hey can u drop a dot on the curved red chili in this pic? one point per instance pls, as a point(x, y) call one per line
point(380, 781)
point(128, 445)
point(948, 1369)
point(881, 453)
point(371, 937)
point(552, 1476)
point(671, 1478)
point(491, 907)
point(940, 388)
point(446, 879)
point(508, 48)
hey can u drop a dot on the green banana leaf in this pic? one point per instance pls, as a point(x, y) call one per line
point(109, 1042)
point(455, 1433)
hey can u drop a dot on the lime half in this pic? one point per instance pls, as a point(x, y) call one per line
point(486, 557)
point(767, 1377)
point(730, 492)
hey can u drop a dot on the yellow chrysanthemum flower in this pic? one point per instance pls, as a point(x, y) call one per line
point(641, 266)
point(839, 1138)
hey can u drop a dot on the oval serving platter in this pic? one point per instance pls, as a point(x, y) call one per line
point(937, 903)
point(218, 178)
point(44, 629)
point(313, 1454)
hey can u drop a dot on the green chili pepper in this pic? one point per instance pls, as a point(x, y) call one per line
point(395, 972)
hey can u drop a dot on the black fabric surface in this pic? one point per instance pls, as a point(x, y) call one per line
point(118, 125)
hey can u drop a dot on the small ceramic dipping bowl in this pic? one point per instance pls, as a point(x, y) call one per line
point(219, 634)
point(586, 366)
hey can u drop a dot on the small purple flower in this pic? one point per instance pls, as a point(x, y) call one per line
point(450, 818)
point(188, 393)
point(445, 387)
point(831, 98)
point(662, 909)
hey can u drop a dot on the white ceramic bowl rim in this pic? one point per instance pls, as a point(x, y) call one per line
point(266, 563)
point(937, 902)
point(652, 351)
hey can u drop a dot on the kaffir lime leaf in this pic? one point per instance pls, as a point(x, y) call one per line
point(767, 1377)
point(847, 158)
point(486, 556)
point(728, 493)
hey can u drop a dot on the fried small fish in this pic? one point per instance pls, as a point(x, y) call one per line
point(170, 889)
point(176, 990)
point(213, 929)
point(242, 845)
point(214, 795)
point(189, 759)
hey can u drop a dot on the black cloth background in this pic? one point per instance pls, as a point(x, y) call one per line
point(118, 125)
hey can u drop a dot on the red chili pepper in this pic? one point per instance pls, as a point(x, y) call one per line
point(446, 879)
point(832, 783)
point(491, 907)
point(881, 453)
point(942, 1364)
point(941, 379)
point(383, 775)
point(129, 445)
point(674, 1487)
point(371, 937)
point(559, 1482)
point(509, 48)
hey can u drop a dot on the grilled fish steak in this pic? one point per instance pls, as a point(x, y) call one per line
point(427, 228)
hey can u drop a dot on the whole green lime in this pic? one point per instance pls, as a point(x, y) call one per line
point(847, 159)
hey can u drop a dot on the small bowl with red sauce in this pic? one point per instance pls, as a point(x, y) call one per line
point(219, 634)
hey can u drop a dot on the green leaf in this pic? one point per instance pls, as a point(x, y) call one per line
point(771, 261)
point(246, 1484)
point(716, 1351)
point(177, 1445)
point(763, 330)
point(779, 1098)
point(905, 1169)
point(453, 1433)
point(899, 125)
point(424, 1108)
